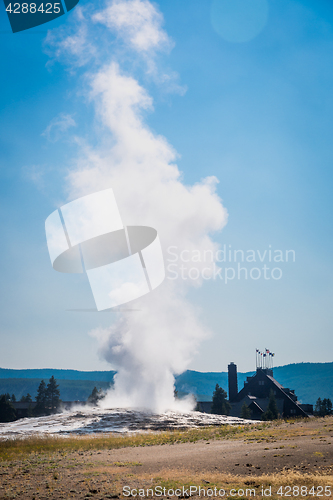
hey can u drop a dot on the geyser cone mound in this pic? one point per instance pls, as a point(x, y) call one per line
point(95, 420)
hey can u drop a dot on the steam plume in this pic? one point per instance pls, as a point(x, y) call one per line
point(148, 346)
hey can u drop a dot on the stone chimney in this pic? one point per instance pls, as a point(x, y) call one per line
point(232, 382)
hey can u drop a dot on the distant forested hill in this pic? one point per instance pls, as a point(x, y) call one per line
point(46, 373)
point(70, 390)
point(74, 385)
point(310, 381)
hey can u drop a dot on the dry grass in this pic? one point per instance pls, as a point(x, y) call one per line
point(263, 432)
point(35, 478)
point(73, 468)
point(20, 447)
point(173, 479)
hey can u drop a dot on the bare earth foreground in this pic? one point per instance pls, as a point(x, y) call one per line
point(275, 460)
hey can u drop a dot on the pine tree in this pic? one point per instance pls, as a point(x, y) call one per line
point(13, 398)
point(327, 404)
point(41, 399)
point(26, 399)
point(323, 407)
point(318, 407)
point(7, 410)
point(95, 396)
point(245, 411)
point(272, 412)
point(220, 404)
point(53, 395)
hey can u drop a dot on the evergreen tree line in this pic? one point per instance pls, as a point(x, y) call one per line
point(48, 398)
point(323, 407)
point(47, 402)
point(12, 398)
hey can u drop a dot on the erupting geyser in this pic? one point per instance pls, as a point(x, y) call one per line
point(149, 346)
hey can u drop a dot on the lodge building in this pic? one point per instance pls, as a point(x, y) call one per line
point(256, 391)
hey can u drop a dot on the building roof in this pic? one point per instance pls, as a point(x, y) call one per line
point(281, 393)
point(275, 382)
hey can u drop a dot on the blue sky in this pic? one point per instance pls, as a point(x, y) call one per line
point(257, 115)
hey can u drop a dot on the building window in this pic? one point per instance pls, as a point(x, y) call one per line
point(261, 382)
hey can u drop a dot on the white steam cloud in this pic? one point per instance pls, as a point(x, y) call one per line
point(137, 22)
point(148, 346)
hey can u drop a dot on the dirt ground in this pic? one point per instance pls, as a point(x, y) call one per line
point(301, 452)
